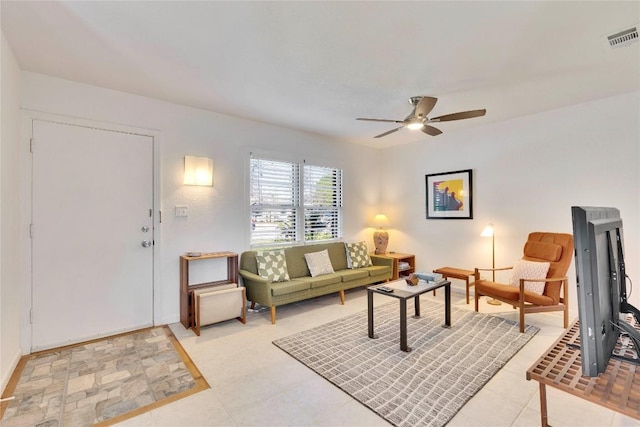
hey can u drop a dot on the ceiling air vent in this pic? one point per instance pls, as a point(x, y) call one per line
point(623, 38)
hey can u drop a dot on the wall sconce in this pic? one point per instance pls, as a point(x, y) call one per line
point(489, 232)
point(198, 171)
point(380, 237)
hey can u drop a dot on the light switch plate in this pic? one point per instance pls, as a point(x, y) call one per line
point(182, 210)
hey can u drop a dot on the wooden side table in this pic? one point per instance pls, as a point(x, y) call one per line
point(186, 290)
point(457, 273)
point(398, 258)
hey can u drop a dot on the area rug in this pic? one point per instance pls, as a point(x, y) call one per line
point(100, 382)
point(425, 387)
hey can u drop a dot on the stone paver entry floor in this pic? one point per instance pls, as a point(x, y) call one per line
point(109, 379)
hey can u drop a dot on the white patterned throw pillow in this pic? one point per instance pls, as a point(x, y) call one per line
point(319, 263)
point(272, 265)
point(530, 270)
point(358, 255)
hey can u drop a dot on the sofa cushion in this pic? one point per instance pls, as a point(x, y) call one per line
point(358, 255)
point(353, 274)
point(523, 269)
point(272, 265)
point(510, 293)
point(293, 285)
point(319, 263)
point(324, 280)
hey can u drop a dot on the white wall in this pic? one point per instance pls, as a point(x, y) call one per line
point(10, 282)
point(218, 217)
point(527, 173)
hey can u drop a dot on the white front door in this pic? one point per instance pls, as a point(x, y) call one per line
point(92, 210)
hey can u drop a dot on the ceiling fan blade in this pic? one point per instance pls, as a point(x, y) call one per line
point(388, 132)
point(459, 116)
point(425, 106)
point(380, 120)
point(430, 130)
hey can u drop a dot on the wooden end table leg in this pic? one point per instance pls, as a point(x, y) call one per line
point(467, 284)
point(543, 406)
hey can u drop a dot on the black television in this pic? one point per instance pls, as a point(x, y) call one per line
point(601, 284)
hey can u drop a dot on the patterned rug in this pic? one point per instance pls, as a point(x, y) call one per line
point(100, 382)
point(425, 387)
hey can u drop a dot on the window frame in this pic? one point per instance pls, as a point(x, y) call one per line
point(300, 204)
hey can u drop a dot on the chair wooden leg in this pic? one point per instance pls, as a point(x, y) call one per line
point(273, 314)
point(476, 298)
point(565, 302)
point(342, 296)
point(521, 305)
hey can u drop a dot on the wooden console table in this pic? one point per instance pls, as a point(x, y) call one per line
point(618, 388)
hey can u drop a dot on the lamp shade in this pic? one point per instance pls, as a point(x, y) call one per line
point(198, 171)
point(380, 220)
point(488, 231)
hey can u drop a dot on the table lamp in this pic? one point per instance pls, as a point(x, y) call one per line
point(380, 236)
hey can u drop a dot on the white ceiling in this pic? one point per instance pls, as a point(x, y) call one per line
point(316, 66)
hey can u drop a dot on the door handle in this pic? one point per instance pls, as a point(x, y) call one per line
point(146, 243)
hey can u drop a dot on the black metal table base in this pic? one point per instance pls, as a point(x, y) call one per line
point(403, 297)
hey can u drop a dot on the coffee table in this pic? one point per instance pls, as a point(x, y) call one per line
point(403, 292)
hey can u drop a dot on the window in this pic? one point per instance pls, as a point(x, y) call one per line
point(293, 203)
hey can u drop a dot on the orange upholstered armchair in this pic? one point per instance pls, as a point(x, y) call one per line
point(534, 287)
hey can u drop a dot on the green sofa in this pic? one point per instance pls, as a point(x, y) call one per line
point(301, 285)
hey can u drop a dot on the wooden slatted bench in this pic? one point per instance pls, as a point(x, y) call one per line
point(618, 388)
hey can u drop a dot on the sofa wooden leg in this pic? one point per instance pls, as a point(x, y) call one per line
point(253, 305)
point(273, 314)
point(342, 296)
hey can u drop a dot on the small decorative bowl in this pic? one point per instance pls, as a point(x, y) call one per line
point(412, 280)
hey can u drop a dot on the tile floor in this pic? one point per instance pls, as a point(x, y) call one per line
point(253, 383)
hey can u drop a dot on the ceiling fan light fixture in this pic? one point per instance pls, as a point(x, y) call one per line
point(415, 124)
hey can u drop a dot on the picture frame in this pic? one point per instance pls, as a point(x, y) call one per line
point(449, 195)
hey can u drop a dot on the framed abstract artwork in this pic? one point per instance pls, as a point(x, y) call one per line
point(449, 195)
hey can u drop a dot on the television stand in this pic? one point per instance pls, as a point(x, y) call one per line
point(618, 388)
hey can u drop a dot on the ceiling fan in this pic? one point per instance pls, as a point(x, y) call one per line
point(422, 105)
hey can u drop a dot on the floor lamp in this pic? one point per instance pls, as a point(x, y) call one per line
point(489, 232)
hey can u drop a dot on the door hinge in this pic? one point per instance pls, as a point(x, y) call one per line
point(150, 213)
point(31, 316)
point(31, 145)
point(160, 217)
point(31, 231)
